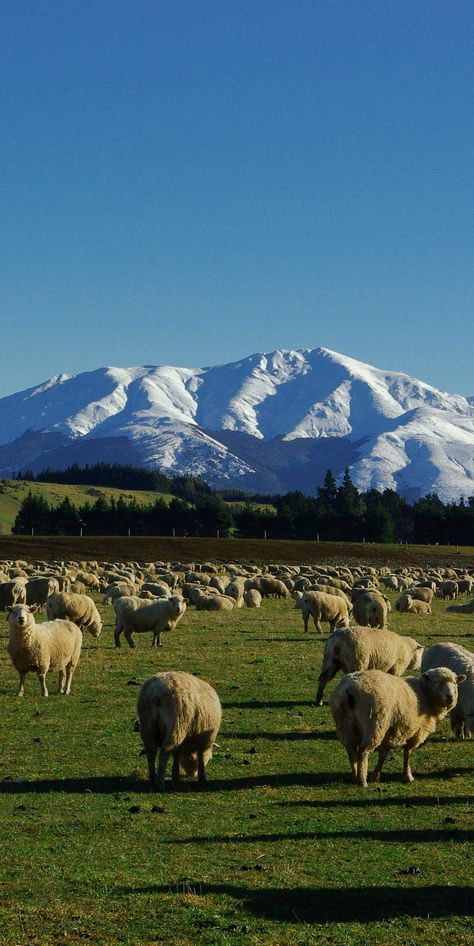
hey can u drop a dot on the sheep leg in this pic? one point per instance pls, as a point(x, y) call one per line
point(160, 775)
point(117, 633)
point(324, 677)
point(175, 776)
point(62, 681)
point(69, 672)
point(42, 680)
point(21, 691)
point(151, 760)
point(383, 753)
point(362, 766)
point(201, 769)
point(407, 775)
point(156, 639)
point(305, 621)
point(318, 625)
point(352, 753)
point(128, 637)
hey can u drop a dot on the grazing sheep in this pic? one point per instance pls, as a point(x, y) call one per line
point(78, 608)
point(11, 593)
point(323, 607)
point(179, 715)
point(118, 590)
point(374, 710)
point(272, 587)
point(370, 610)
point(253, 598)
point(448, 590)
point(360, 648)
point(161, 615)
point(54, 645)
point(461, 661)
point(420, 593)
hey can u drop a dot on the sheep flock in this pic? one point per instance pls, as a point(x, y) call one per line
point(50, 607)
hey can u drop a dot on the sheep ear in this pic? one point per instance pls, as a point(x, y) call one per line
point(426, 676)
point(461, 678)
point(34, 608)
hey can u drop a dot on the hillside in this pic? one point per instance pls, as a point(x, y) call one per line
point(267, 423)
point(13, 492)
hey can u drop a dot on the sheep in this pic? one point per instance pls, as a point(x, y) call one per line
point(179, 715)
point(38, 589)
point(420, 593)
point(159, 589)
point(360, 648)
point(78, 608)
point(216, 602)
point(415, 605)
point(253, 598)
point(370, 610)
point(161, 615)
point(448, 590)
point(460, 660)
point(54, 645)
point(461, 608)
point(375, 710)
point(272, 587)
point(323, 607)
point(117, 590)
point(11, 593)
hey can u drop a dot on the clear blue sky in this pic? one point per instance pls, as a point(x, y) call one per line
point(191, 182)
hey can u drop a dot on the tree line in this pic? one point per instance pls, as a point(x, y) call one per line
point(335, 513)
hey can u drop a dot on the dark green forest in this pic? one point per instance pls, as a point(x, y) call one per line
point(334, 513)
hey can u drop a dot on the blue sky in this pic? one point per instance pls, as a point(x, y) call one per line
point(191, 182)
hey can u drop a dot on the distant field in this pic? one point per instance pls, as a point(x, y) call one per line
point(13, 492)
point(281, 849)
point(148, 548)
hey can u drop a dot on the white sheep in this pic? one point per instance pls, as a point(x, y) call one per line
point(374, 710)
point(370, 609)
point(323, 607)
point(179, 715)
point(80, 609)
point(363, 648)
point(54, 645)
point(161, 615)
point(461, 661)
point(252, 598)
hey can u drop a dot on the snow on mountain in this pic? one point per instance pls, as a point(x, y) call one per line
point(402, 434)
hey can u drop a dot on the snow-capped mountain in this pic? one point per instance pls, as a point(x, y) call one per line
point(268, 422)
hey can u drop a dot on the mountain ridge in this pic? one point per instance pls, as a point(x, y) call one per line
point(301, 408)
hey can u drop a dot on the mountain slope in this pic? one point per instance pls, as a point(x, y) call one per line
point(270, 421)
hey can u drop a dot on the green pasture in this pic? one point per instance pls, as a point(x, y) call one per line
point(13, 492)
point(279, 849)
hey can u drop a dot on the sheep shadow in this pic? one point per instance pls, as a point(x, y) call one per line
point(279, 736)
point(397, 836)
point(406, 801)
point(320, 905)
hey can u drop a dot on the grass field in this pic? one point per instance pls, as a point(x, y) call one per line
point(13, 492)
point(280, 848)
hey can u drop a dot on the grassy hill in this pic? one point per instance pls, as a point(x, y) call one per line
point(13, 492)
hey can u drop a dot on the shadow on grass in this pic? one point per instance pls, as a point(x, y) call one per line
point(405, 801)
point(336, 904)
point(267, 704)
point(279, 736)
point(403, 836)
point(105, 785)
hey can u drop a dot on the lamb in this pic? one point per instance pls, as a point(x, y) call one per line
point(54, 645)
point(323, 607)
point(161, 615)
point(375, 710)
point(370, 610)
point(179, 715)
point(77, 608)
point(360, 648)
point(461, 661)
